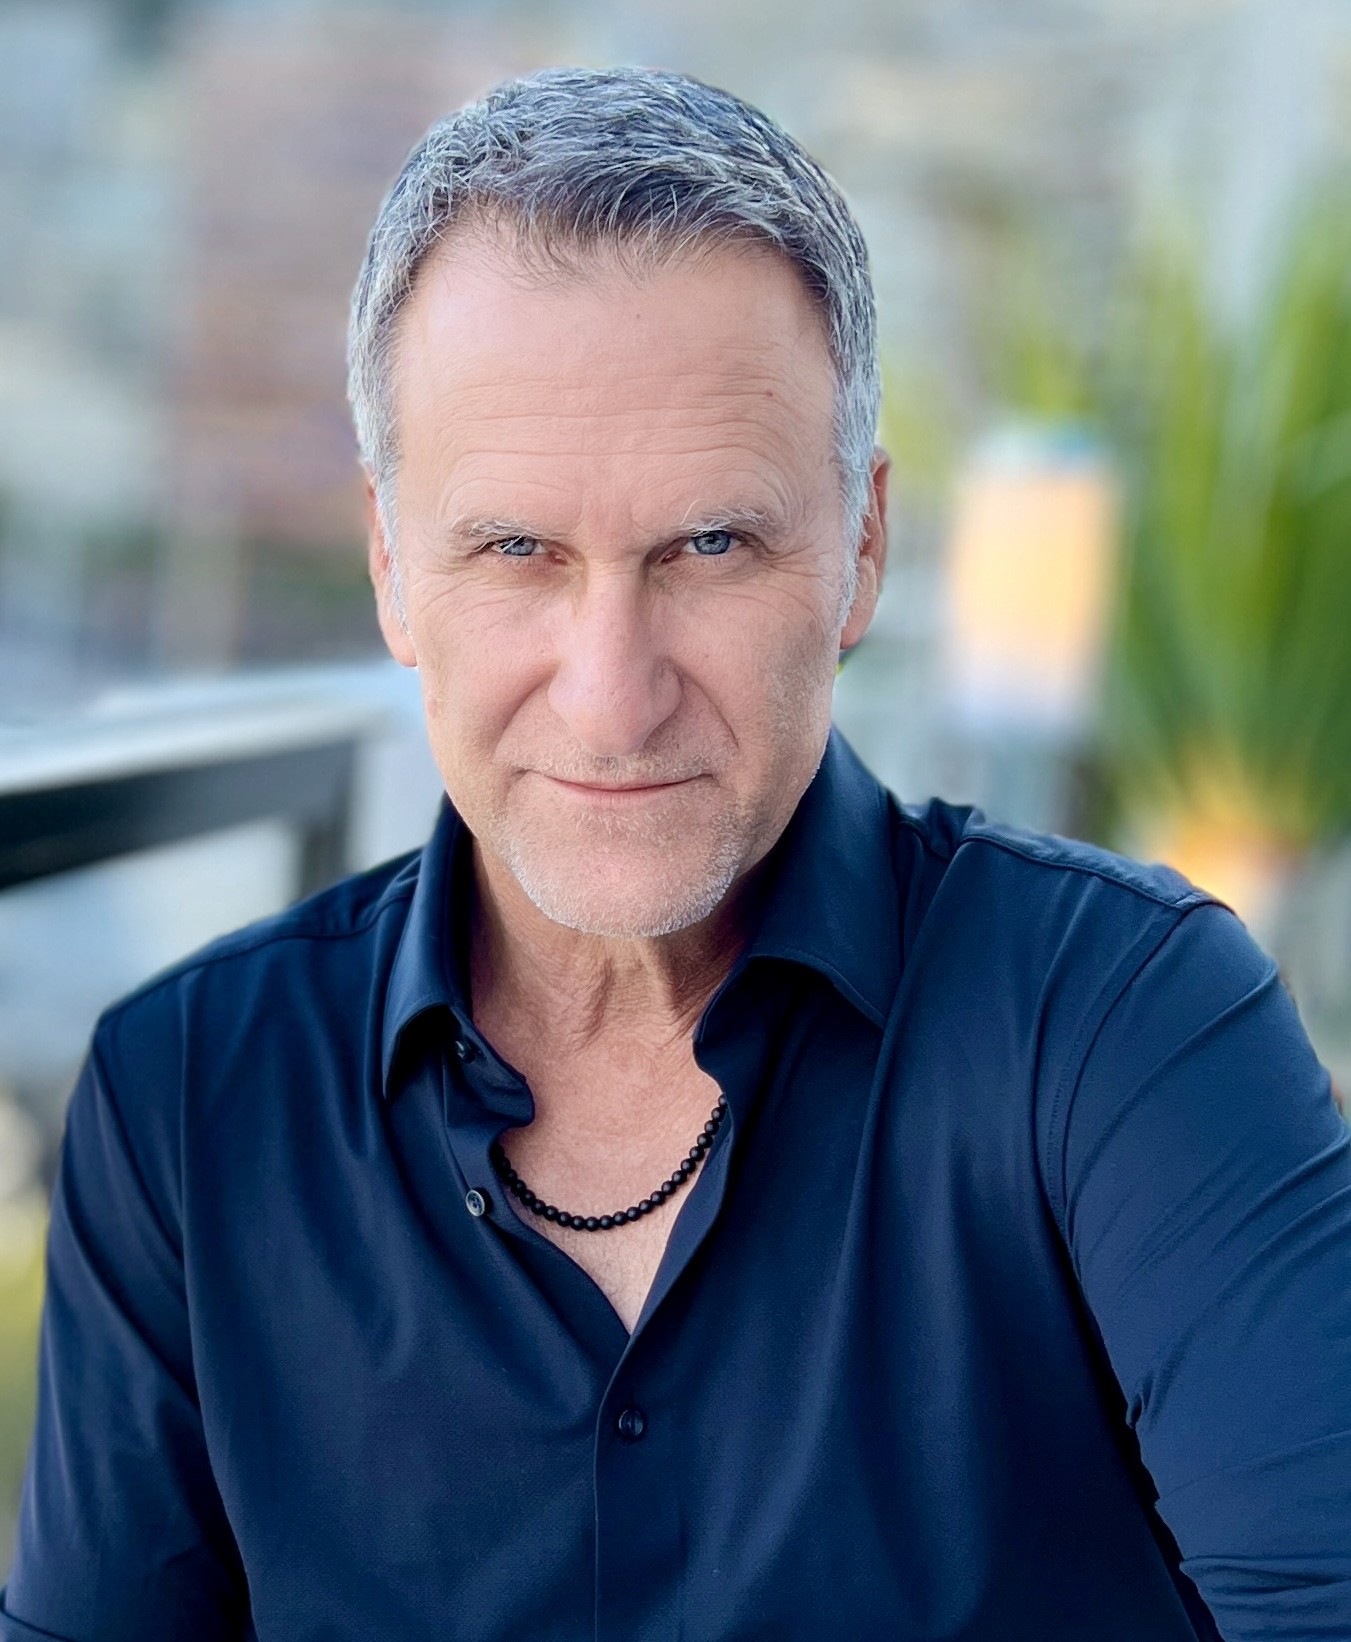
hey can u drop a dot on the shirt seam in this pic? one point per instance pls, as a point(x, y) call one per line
point(914, 825)
point(1182, 903)
point(190, 966)
point(1062, 1102)
point(173, 1238)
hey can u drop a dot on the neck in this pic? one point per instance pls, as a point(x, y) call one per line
point(577, 988)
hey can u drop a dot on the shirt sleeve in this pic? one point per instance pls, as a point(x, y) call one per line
point(1207, 1193)
point(122, 1533)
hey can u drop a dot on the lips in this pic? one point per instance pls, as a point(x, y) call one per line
point(616, 789)
point(632, 781)
point(619, 787)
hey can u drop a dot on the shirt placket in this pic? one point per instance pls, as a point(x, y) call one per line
point(636, 1439)
point(640, 1462)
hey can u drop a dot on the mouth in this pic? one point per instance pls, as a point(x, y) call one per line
point(618, 792)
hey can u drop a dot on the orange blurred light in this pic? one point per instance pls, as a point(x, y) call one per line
point(1030, 567)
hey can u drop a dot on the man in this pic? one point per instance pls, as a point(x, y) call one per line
point(695, 1197)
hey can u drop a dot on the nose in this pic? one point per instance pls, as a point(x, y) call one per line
point(614, 685)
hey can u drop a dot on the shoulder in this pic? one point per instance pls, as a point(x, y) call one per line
point(340, 939)
point(1019, 946)
point(1035, 903)
point(1089, 991)
point(953, 835)
point(190, 1075)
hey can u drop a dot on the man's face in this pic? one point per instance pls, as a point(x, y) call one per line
point(621, 544)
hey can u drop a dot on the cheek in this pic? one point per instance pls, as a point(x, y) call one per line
point(768, 677)
point(474, 683)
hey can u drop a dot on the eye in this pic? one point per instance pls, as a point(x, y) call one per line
point(711, 544)
point(514, 547)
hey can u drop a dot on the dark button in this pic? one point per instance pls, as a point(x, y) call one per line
point(464, 1050)
point(631, 1424)
point(476, 1202)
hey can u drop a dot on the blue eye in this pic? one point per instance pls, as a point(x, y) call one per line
point(711, 544)
point(515, 547)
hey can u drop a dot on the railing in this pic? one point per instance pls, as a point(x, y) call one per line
point(159, 766)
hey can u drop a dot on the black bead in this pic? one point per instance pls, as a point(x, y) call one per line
point(607, 1222)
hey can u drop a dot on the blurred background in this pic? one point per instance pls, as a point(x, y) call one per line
point(1112, 244)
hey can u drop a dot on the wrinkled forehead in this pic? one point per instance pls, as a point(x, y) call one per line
point(720, 353)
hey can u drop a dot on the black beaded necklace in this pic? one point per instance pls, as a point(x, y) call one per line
point(607, 1222)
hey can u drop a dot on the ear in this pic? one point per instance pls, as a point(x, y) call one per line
point(385, 580)
point(872, 554)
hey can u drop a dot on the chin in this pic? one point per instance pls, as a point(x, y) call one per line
point(624, 901)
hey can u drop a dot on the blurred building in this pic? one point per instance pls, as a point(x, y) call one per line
point(186, 208)
point(84, 195)
point(291, 133)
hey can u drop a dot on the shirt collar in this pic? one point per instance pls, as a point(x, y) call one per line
point(832, 903)
point(428, 972)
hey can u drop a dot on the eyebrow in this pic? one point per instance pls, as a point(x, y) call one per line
point(748, 520)
point(474, 529)
point(752, 520)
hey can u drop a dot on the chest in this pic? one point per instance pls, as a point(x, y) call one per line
point(606, 1140)
point(810, 1434)
point(861, 1402)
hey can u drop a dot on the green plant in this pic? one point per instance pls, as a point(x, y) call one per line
point(22, 1230)
point(1231, 679)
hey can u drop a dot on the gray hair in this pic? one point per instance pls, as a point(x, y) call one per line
point(636, 160)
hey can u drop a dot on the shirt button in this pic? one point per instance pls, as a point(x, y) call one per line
point(464, 1050)
point(631, 1424)
point(476, 1202)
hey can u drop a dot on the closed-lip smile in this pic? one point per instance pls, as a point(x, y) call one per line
point(617, 790)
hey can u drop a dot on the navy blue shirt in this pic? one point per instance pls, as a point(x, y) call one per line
point(1013, 1302)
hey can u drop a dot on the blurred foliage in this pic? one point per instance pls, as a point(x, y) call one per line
point(1231, 680)
point(1229, 687)
point(1043, 357)
point(918, 430)
point(22, 1229)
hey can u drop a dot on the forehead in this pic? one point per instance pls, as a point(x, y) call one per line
point(713, 367)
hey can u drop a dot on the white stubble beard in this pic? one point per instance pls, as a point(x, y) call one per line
point(568, 899)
